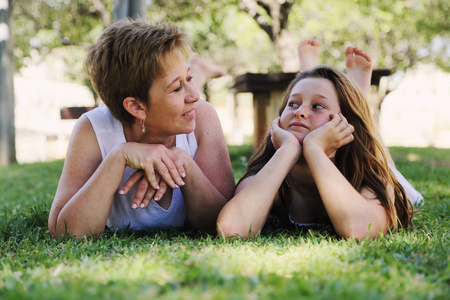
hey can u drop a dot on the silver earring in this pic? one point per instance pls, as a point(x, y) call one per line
point(143, 126)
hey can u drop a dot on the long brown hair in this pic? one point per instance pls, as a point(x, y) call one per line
point(362, 162)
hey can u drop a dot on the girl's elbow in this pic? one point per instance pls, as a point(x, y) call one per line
point(228, 229)
point(358, 232)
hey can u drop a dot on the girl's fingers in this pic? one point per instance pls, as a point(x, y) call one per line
point(348, 139)
point(135, 177)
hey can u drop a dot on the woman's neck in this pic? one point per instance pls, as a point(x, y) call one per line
point(133, 133)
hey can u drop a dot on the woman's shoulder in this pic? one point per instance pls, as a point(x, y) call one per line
point(207, 120)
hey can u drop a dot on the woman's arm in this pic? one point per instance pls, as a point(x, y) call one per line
point(87, 185)
point(352, 213)
point(86, 188)
point(209, 176)
point(254, 196)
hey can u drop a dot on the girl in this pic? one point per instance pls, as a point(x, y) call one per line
point(318, 168)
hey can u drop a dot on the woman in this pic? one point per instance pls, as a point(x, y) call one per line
point(319, 169)
point(152, 121)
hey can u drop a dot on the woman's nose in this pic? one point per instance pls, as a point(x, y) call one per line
point(192, 94)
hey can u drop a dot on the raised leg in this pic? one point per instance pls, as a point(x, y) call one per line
point(202, 70)
point(308, 54)
point(359, 68)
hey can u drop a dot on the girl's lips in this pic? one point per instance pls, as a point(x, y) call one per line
point(298, 124)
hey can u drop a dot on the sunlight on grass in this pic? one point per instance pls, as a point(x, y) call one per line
point(278, 264)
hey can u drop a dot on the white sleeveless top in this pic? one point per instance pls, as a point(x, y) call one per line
point(109, 133)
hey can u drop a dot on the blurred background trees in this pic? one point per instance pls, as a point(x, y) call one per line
point(256, 36)
point(251, 35)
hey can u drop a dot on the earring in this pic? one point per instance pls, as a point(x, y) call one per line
point(143, 126)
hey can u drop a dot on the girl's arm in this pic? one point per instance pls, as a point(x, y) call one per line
point(247, 211)
point(352, 213)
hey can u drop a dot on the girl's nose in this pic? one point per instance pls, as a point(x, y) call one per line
point(301, 112)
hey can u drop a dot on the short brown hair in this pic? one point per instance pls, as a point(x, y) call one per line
point(128, 57)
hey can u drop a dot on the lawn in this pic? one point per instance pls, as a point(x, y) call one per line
point(278, 264)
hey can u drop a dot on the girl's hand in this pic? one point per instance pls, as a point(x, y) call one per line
point(330, 136)
point(145, 192)
point(151, 158)
point(281, 137)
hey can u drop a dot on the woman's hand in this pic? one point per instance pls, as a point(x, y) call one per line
point(330, 136)
point(281, 137)
point(145, 192)
point(155, 158)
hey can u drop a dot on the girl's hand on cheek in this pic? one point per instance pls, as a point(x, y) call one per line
point(330, 136)
point(281, 138)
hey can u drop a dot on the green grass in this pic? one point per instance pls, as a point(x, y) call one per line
point(279, 264)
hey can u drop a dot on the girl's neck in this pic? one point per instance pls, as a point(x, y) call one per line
point(301, 173)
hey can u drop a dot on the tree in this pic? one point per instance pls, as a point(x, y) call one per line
point(7, 131)
point(272, 17)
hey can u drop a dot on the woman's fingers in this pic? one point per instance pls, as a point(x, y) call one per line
point(160, 193)
point(140, 193)
point(171, 161)
point(178, 164)
point(135, 177)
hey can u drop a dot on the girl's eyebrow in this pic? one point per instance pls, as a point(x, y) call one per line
point(314, 96)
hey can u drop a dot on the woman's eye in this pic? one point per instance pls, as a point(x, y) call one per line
point(189, 79)
point(178, 89)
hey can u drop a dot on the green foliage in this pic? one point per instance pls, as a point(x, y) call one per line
point(44, 25)
point(394, 33)
point(278, 264)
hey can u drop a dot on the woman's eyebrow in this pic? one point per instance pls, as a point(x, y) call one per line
point(178, 78)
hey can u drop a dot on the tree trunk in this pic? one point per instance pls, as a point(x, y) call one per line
point(287, 51)
point(7, 128)
point(275, 23)
point(133, 9)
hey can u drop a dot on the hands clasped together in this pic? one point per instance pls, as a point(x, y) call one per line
point(158, 168)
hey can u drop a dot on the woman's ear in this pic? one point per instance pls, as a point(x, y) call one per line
point(135, 107)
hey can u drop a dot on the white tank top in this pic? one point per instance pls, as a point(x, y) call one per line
point(109, 133)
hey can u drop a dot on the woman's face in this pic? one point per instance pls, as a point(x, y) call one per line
point(310, 105)
point(173, 98)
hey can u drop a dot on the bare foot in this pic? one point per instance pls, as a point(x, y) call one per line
point(308, 54)
point(359, 68)
point(202, 70)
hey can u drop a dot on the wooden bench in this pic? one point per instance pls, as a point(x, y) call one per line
point(74, 112)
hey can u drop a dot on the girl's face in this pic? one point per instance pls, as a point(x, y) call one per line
point(173, 100)
point(310, 105)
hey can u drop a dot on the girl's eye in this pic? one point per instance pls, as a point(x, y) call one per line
point(318, 106)
point(292, 104)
